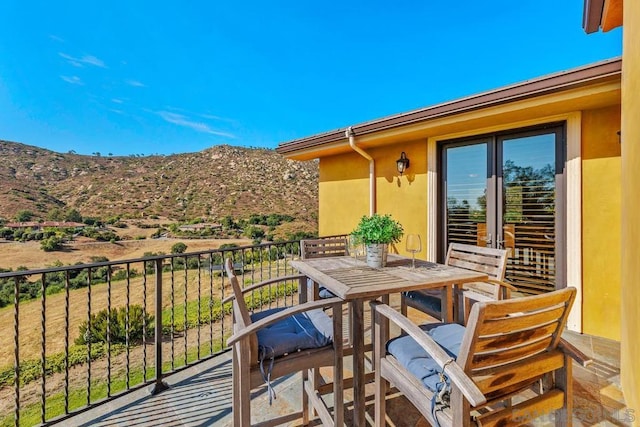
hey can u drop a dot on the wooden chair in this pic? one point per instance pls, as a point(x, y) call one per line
point(255, 334)
point(505, 351)
point(491, 261)
point(316, 248)
point(319, 248)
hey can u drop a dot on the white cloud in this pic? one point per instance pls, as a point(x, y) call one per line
point(117, 101)
point(134, 83)
point(84, 60)
point(56, 38)
point(75, 80)
point(92, 60)
point(182, 120)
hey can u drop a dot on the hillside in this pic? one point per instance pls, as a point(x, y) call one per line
point(219, 181)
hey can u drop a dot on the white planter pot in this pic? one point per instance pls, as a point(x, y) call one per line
point(377, 255)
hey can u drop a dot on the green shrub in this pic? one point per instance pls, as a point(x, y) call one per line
point(116, 319)
point(178, 248)
point(50, 244)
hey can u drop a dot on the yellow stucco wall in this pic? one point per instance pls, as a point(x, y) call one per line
point(630, 340)
point(601, 222)
point(344, 190)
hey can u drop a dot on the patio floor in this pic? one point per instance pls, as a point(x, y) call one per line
point(201, 396)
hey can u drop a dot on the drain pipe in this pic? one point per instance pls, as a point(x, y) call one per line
point(351, 135)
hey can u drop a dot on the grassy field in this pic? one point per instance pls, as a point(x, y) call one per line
point(29, 254)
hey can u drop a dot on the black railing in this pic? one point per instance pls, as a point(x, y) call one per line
point(106, 309)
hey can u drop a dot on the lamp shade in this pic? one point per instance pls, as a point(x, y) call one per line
point(402, 163)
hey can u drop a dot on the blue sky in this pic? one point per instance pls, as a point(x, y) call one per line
point(147, 77)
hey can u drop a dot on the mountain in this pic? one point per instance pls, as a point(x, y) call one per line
point(218, 181)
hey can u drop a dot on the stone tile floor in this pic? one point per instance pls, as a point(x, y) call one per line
point(201, 396)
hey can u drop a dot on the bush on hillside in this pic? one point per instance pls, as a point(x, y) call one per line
point(50, 244)
point(116, 319)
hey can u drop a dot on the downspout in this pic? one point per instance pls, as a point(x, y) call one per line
point(351, 135)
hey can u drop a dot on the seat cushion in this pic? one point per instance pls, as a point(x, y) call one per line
point(322, 291)
point(428, 301)
point(311, 329)
point(325, 293)
point(413, 357)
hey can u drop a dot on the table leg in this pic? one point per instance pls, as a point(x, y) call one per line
point(447, 305)
point(357, 333)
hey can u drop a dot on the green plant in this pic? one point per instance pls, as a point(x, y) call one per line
point(178, 248)
point(378, 229)
point(117, 320)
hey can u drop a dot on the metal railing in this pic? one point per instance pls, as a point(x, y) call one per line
point(85, 334)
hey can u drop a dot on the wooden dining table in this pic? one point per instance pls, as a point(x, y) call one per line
point(355, 282)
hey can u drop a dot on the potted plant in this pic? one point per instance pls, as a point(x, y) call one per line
point(376, 232)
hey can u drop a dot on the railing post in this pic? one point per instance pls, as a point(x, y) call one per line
point(159, 385)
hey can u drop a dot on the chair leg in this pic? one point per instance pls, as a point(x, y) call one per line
point(242, 400)
point(380, 332)
point(235, 396)
point(305, 398)
point(338, 370)
point(564, 382)
point(403, 305)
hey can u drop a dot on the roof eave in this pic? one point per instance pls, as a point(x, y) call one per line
point(566, 80)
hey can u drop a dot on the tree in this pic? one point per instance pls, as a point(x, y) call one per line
point(73, 215)
point(50, 244)
point(178, 248)
point(254, 232)
point(228, 223)
point(24, 215)
point(55, 214)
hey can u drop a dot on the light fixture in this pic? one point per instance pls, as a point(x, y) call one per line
point(402, 163)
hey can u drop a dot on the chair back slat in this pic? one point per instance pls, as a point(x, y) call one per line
point(317, 248)
point(508, 355)
point(484, 260)
point(495, 344)
point(509, 338)
point(509, 325)
point(241, 315)
point(495, 382)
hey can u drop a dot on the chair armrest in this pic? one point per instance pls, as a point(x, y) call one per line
point(254, 327)
point(575, 353)
point(502, 284)
point(455, 373)
point(264, 283)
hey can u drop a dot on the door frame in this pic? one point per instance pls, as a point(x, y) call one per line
point(572, 200)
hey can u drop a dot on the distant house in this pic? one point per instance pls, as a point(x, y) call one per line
point(45, 224)
point(198, 227)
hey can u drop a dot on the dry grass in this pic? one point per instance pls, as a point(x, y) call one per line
point(30, 318)
point(29, 254)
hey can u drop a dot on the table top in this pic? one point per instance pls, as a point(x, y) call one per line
point(350, 278)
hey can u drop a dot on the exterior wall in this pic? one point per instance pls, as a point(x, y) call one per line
point(601, 222)
point(343, 193)
point(344, 190)
point(630, 344)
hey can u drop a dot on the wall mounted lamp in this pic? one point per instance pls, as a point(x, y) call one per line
point(402, 163)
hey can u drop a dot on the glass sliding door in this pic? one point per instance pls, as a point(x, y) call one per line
point(465, 183)
point(502, 191)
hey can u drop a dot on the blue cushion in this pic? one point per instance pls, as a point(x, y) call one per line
point(322, 291)
point(413, 357)
point(428, 301)
point(325, 293)
point(311, 329)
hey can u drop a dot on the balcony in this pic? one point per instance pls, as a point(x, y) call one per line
point(182, 375)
